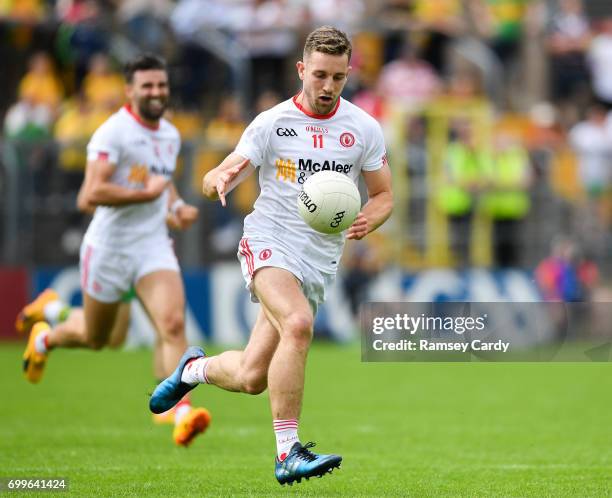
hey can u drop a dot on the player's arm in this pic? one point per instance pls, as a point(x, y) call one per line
point(379, 206)
point(221, 180)
point(83, 203)
point(180, 214)
point(103, 192)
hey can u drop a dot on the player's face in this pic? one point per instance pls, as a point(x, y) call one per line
point(324, 77)
point(149, 93)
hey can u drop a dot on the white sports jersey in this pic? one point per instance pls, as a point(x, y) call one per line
point(137, 150)
point(288, 144)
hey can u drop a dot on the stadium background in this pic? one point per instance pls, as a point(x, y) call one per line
point(488, 80)
point(505, 80)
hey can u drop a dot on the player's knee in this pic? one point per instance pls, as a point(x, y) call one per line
point(298, 328)
point(115, 343)
point(173, 326)
point(254, 381)
point(96, 343)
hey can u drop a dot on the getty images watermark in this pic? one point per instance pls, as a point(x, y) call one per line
point(454, 331)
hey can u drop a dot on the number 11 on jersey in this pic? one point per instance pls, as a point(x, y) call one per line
point(317, 141)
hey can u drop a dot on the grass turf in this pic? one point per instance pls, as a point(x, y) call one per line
point(403, 429)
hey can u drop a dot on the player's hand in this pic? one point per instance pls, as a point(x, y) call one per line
point(226, 178)
point(186, 215)
point(155, 185)
point(182, 218)
point(173, 222)
point(359, 229)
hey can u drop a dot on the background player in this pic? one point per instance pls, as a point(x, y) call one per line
point(131, 158)
point(49, 307)
point(286, 264)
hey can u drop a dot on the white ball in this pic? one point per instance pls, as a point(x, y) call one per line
point(329, 202)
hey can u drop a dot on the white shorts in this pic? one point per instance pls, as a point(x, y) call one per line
point(258, 252)
point(106, 274)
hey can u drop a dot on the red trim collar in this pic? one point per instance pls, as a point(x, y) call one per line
point(128, 108)
point(313, 115)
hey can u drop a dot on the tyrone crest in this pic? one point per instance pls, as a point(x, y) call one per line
point(347, 139)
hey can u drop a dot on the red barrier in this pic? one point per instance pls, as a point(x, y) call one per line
point(14, 295)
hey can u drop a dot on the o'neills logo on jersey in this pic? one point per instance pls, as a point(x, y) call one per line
point(314, 167)
point(317, 129)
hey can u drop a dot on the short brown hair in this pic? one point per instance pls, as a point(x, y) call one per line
point(143, 62)
point(328, 40)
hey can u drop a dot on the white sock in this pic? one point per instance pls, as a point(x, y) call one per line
point(195, 371)
point(286, 432)
point(40, 343)
point(182, 408)
point(53, 312)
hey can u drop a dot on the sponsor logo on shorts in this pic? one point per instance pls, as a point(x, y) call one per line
point(265, 254)
point(286, 132)
point(347, 139)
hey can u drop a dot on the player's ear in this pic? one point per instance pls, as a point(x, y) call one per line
point(129, 90)
point(300, 69)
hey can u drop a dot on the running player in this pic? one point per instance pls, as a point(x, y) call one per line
point(131, 157)
point(49, 307)
point(286, 264)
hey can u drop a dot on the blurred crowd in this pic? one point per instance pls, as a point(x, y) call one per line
point(496, 101)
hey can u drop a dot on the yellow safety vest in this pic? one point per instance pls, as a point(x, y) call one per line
point(508, 199)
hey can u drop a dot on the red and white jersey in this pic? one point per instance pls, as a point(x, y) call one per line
point(137, 150)
point(288, 144)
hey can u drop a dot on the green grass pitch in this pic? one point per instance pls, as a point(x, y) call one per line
point(422, 429)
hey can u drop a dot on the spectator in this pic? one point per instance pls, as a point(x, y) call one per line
point(103, 88)
point(506, 199)
point(73, 129)
point(369, 98)
point(40, 86)
point(409, 80)
point(25, 11)
point(145, 22)
point(591, 140)
point(269, 38)
point(466, 165)
point(266, 100)
point(600, 59)
point(567, 40)
point(565, 275)
point(441, 22)
point(84, 32)
point(28, 121)
point(343, 14)
point(501, 22)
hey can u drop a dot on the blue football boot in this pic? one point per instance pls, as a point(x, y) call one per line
point(171, 390)
point(300, 462)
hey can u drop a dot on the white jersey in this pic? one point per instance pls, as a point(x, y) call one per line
point(288, 144)
point(136, 150)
